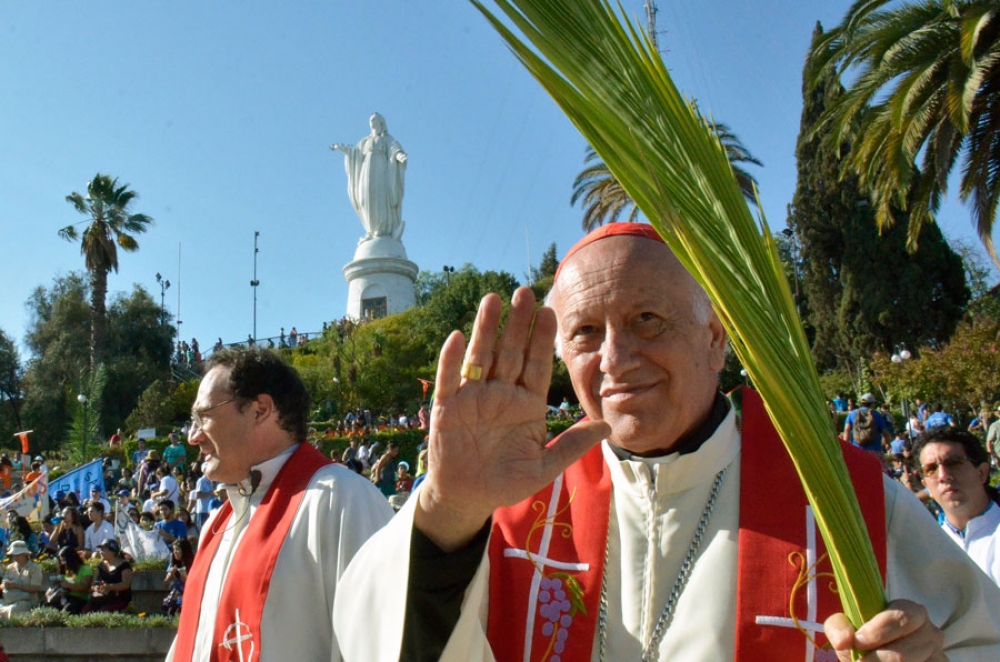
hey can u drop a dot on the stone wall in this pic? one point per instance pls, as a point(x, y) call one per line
point(86, 645)
point(91, 645)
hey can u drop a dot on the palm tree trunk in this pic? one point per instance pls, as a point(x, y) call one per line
point(98, 316)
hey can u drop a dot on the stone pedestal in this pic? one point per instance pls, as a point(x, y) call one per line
point(380, 279)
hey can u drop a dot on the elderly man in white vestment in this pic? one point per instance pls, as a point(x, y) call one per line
point(270, 560)
point(643, 348)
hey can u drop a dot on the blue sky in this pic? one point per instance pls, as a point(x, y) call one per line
point(220, 114)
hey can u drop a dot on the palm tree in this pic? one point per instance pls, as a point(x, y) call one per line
point(604, 200)
point(109, 226)
point(926, 79)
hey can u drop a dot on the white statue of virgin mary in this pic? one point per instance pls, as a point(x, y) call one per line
point(375, 171)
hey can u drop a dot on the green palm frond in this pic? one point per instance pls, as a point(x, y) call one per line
point(604, 200)
point(924, 62)
point(612, 84)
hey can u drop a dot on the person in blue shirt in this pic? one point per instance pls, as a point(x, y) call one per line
point(169, 527)
point(939, 418)
point(865, 427)
point(899, 444)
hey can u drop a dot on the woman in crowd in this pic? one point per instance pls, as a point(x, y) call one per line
point(72, 590)
point(184, 515)
point(112, 588)
point(180, 562)
point(20, 529)
point(69, 533)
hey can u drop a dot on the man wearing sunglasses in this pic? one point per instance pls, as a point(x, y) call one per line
point(269, 561)
point(956, 471)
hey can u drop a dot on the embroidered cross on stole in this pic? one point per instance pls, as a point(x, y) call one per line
point(547, 556)
point(244, 592)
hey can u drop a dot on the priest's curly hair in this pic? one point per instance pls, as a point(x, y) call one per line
point(255, 371)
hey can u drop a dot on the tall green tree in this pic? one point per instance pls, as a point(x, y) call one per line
point(926, 85)
point(543, 277)
point(11, 382)
point(58, 337)
point(58, 333)
point(110, 225)
point(864, 291)
point(604, 199)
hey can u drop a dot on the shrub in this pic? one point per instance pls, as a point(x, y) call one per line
point(47, 617)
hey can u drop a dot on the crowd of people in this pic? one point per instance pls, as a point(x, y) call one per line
point(167, 494)
point(946, 465)
point(188, 354)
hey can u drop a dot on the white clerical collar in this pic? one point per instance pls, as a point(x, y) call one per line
point(677, 472)
point(267, 470)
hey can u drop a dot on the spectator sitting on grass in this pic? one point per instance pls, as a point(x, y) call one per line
point(69, 532)
point(182, 556)
point(72, 590)
point(22, 581)
point(97, 495)
point(169, 527)
point(148, 502)
point(112, 588)
point(147, 520)
point(20, 529)
point(168, 487)
point(99, 529)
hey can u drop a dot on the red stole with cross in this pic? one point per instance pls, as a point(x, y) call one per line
point(547, 555)
point(241, 605)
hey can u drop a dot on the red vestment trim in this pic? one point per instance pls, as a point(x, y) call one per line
point(773, 536)
point(524, 562)
point(245, 588)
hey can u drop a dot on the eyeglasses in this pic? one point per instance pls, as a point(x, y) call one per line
point(196, 414)
point(949, 463)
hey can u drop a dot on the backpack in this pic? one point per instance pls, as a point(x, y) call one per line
point(865, 430)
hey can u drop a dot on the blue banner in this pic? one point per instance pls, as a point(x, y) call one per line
point(79, 481)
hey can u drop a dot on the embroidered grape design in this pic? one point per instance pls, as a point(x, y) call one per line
point(560, 598)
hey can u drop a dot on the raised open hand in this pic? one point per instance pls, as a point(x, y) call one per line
point(488, 436)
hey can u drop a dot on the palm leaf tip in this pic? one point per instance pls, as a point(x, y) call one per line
point(600, 69)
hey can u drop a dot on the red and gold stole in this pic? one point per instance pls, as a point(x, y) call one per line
point(786, 585)
point(547, 555)
point(241, 605)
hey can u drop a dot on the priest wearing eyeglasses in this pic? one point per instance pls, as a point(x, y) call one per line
point(270, 560)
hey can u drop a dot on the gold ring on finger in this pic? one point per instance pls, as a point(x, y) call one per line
point(472, 372)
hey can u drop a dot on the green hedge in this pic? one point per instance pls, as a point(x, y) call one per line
point(47, 617)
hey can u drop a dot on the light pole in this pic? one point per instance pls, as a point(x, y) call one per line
point(164, 286)
point(254, 283)
point(899, 355)
point(448, 271)
point(85, 410)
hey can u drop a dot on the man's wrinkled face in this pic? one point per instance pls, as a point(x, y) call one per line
point(640, 340)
